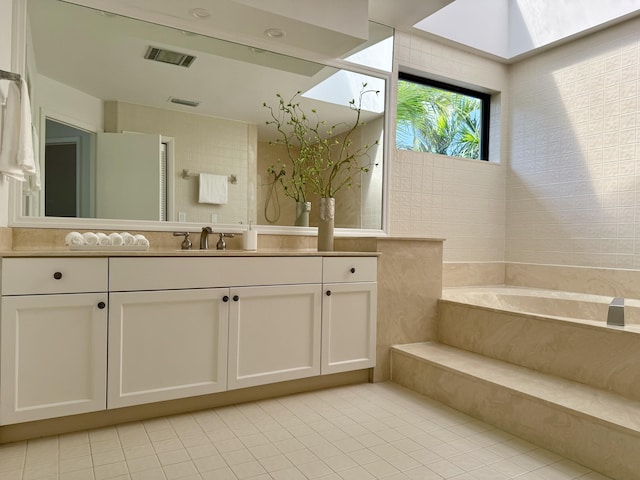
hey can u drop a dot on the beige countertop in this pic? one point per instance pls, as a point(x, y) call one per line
point(181, 253)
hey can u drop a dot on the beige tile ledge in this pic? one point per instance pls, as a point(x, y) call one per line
point(6, 238)
point(602, 406)
point(411, 239)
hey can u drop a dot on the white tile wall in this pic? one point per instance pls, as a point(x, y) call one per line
point(573, 183)
point(572, 118)
point(438, 196)
point(460, 200)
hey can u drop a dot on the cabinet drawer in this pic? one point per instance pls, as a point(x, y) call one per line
point(133, 274)
point(24, 276)
point(349, 269)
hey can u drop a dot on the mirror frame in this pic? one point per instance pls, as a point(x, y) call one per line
point(17, 220)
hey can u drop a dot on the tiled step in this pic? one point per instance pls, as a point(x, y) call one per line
point(591, 426)
point(585, 352)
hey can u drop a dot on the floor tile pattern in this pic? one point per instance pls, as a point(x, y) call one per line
point(360, 432)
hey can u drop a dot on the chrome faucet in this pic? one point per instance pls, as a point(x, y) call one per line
point(615, 315)
point(204, 238)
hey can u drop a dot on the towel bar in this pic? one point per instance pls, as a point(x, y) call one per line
point(14, 77)
point(186, 173)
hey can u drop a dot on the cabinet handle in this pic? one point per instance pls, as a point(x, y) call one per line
point(101, 305)
point(353, 270)
point(236, 298)
point(57, 275)
point(225, 298)
point(328, 293)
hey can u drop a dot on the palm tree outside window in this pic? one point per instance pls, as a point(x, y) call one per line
point(440, 118)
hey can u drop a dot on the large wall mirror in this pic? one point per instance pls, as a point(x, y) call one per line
point(129, 114)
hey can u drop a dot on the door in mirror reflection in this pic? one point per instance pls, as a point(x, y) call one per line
point(61, 199)
point(67, 170)
point(125, 163)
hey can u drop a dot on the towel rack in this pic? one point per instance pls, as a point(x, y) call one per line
point(14, 77)
point(186, 173)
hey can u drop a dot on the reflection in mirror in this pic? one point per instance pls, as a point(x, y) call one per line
point(107, 89)
point(69, 159)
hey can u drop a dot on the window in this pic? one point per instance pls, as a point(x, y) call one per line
point(440, 118)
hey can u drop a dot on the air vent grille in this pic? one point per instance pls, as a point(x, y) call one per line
point(181, 101)
point(167, 56)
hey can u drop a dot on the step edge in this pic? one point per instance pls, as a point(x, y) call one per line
point(605, 419)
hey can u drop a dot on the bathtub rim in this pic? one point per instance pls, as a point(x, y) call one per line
point(633, 328)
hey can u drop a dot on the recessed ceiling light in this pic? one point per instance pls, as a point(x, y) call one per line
point(200, 13)
point(275, 33)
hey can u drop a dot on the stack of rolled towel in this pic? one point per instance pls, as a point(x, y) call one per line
point(102, 239)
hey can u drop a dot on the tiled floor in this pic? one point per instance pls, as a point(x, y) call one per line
point(358, 432)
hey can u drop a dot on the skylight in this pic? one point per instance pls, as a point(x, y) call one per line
point(509, 28)
point(343, 86)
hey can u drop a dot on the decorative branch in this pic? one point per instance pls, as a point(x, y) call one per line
point(317, 156)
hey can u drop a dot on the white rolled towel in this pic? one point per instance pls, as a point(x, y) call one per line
point(141, 240)
point(74, 238)
point(128, 238)
point(103, 239)
point(90, 238)
point(116, 239)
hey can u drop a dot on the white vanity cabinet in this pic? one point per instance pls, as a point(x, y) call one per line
point(274, 333)
point(349, 304)
point(166, 344)
point(53, 337)
point(180, 327)
point(79, 335)
point(168, 329)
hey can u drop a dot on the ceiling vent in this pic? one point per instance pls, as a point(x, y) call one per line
point(167, 56)
point(180, 101)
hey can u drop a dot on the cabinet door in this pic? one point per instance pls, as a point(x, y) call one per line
point(274, 334)
point(348, 327)
point(166, 344)
point(53, 356)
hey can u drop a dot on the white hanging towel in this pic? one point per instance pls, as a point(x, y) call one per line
point(213, 189)
point(16, 156)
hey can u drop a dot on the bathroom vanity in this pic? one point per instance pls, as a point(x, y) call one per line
point(91, 333)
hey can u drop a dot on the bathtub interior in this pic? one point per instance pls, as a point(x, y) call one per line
point(549, 303)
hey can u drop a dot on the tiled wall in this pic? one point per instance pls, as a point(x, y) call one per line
point(460, 200)
point(573, 192)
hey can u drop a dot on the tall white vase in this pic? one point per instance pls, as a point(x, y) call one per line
point(302, 214)
point(326, 214)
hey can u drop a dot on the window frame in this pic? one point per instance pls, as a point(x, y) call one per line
point(485, 102)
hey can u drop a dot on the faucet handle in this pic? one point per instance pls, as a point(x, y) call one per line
point(186, 243)
point(222, 245)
